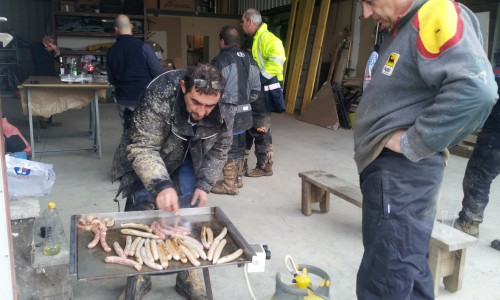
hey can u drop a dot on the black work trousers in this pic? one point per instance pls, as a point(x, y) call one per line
point(482, 168)
point(399, 206)
point(263, 144)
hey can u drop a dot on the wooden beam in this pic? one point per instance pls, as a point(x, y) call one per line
point(296, 67)
point(316, 53)
point(289, 34)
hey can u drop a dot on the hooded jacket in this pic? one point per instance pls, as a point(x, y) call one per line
point(432, 78)
point(161, 136)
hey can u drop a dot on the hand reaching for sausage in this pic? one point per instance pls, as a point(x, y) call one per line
point(199, 195)
point(168, 200)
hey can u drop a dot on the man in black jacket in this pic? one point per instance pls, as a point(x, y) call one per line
point(131, 65)
point(241, 94)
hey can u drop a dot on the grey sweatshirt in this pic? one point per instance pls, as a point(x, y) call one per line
point(432, 78)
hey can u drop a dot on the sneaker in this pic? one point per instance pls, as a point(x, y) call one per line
point(188, 284)
point(469, 227)
point(140, 284)
point(496, 244)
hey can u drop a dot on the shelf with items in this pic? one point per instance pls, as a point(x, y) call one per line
point(9, 67)
point(89, 29)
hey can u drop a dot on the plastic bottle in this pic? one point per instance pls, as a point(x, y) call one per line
point(52, 231)
point(74, 69)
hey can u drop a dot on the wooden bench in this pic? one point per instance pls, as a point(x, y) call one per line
point(447, 249)
point(317, 186)
point(447, 256)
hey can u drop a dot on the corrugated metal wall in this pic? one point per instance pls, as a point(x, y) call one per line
point(261, 4)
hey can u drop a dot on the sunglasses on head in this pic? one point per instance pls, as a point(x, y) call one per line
point(202, 83)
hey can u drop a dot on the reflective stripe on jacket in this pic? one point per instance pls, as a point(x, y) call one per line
point(269, 53)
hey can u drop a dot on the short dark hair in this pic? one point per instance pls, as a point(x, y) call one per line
point(230, 36)
point(206, 72)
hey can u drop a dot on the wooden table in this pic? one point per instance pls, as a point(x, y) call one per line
point(53, 84)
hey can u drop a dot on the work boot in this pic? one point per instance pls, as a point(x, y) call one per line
point(228, 185)
point(137, 287)
point(239, 177)
point(188, 284)
point(262, 169)
point(469, 227)
point(496, 244)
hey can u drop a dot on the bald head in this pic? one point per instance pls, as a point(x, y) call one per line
point(123, 25)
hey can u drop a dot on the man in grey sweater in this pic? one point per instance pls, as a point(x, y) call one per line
point(431, 86)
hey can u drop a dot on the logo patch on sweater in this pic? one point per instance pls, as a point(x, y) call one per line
point(390, 64)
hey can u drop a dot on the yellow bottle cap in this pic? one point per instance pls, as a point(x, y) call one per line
point(52, 205)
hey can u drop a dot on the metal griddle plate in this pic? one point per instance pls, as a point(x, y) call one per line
point(88, 264)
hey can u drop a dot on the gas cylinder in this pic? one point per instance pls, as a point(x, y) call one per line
point(302, 287)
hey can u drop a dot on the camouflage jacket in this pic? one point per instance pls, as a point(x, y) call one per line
point(160, 137)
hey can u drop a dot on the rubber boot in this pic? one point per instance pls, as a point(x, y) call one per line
point(137, 287)
point(239, 177)
point(264, 168)
point(188, 284)
point(228, 185)
point(469, 227)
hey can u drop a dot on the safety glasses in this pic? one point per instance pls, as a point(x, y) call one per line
point(202, 83)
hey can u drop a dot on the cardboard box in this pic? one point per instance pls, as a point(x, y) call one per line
point(151, 4)
point(178, 5)
point(90, 2)
point(67, 6)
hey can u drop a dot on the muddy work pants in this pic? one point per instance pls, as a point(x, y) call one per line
point(482, 168)
point(399, 206)
point(263, 144)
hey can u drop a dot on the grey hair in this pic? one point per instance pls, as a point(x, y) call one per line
point(253, 15)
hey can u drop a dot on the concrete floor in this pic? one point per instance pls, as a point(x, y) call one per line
point(267, 210)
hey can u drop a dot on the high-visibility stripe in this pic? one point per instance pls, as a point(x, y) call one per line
point(272, 87)
point(265, 74)
point(277, 59)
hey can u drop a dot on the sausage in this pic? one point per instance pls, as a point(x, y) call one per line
point(192, 259)
point(210, 235)
point(187, 246)
point(139, 233)
point(173, 250)
point(128, 244)
point(156, 229)
point(136, 226)
point(148, 262)
point(131, 252)
point(104, 245)
point(154, 250)
point(138, 255)
point(164, 246)
point(147, 245)
point(119, 250)
point(218, 251)
point(182, 256)
point(188, 238)
point(162, 253)
point(97, 236)
point(204, 241)
point(211, 251)
point(123, 261)
point(230, 257)
point(222, 234)
point(199, 250)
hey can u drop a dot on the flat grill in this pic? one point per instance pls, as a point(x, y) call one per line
point(88, 264)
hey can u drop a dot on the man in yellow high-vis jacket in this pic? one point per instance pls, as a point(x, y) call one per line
point(269, 53)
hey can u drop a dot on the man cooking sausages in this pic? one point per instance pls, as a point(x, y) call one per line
point(172, 154)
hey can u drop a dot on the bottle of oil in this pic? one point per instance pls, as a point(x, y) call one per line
point(52, 231)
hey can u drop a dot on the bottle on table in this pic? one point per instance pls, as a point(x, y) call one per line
point(74, 69)
point(61, 66)
point(52, 230)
